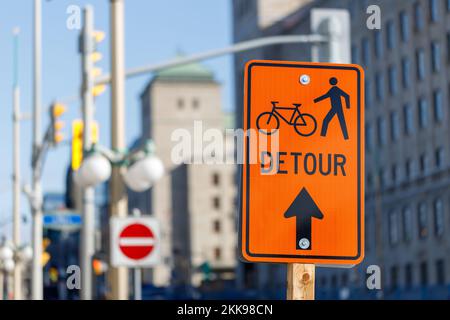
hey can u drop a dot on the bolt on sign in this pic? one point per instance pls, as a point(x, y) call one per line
point(302, 193)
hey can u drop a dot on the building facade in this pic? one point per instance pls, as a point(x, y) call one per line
point(406, 65)
point(194, 202)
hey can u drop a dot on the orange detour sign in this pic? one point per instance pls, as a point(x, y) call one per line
point(302, 193)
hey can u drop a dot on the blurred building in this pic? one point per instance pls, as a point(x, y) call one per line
point(194, 203)
point(407, 65)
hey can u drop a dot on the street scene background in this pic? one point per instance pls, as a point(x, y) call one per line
point(403, 47)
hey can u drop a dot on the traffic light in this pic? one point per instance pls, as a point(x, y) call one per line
point(95, 56)
point(77, 141)
point(99, 266)
point(45, 258)
point(56, 112)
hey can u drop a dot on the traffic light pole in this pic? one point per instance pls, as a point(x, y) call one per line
point(118, 198)
point(87, 248)
point(16, 170)
point(37, 288)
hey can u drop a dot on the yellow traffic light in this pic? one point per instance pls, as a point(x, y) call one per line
point(96, 72)
point(99, 36)
point(56, 111)
point(53, 274)
point(45, 258)
point(96, 56)
point(98, 90)
point(77, 142)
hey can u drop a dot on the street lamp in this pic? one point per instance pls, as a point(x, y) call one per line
point(144, 167)
point(10, 257)
point(142, 174)
point(95, 170)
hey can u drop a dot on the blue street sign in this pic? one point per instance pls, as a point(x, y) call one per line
point(61, 220)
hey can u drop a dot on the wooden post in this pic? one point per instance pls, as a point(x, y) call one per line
point(300, 281)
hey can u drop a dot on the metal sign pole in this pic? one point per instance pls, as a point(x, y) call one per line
point(137, 284)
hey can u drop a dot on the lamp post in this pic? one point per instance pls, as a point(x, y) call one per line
point(10, 257)
point(141, 168)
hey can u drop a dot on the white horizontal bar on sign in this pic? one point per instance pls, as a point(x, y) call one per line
point(136, 242)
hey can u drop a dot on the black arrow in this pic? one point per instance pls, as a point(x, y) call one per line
point(304, 209)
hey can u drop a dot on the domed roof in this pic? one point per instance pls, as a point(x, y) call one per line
point(191, 72)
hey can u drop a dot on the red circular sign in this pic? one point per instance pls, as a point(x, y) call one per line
point(136, 241)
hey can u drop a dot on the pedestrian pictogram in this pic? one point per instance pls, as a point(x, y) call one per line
point(302, 190)
point(134, 242)
point(335, 94)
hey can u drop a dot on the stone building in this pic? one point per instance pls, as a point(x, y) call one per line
point(194, 202)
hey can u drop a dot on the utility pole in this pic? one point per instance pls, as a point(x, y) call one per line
point(36, 203)
point(88, 227)
point(118, 277)
point(16, 168)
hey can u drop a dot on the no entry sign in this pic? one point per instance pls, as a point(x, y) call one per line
point(302, 179)
point(134, 242)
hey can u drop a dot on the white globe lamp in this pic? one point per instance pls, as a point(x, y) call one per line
point(144, 173)
point(95, 170)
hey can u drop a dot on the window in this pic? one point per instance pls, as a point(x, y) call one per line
point(368, 93)
point(420, 64)
point(408, 119)
point(344, 279)
point(407, 224)
point(393, 86)
point(423, 163)
point(408, 169)
point(369, 180)
point(434, 10)
point(217, 226)
point(438, 107)
point(378, 43)
point(448, 46)
point(395, 126)
point(440, 272)
point(418, 17)
point(436, 56)
point(216, 203)
point(381, 178)
point(423, 113)
point(369, 137)
point(423, 274)
point(334, 282)
point(439, 157)
point(393, 228)
point(216, 179)
point(404, 26)
point(406, 72)
point(408, 275)
point(395, 175)
point(381, 131)
point(180, 103)
point(195, 103)
point(379, 86)
point(217, 254)
point(438, 213)
point(422, 220)
point(394, 277)
point(365, 51)
point(448, 5)
point(390, 34)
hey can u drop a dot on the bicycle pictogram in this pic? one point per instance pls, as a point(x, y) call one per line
point(269, 122)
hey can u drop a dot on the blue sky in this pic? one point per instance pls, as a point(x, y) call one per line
point(155, 31)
